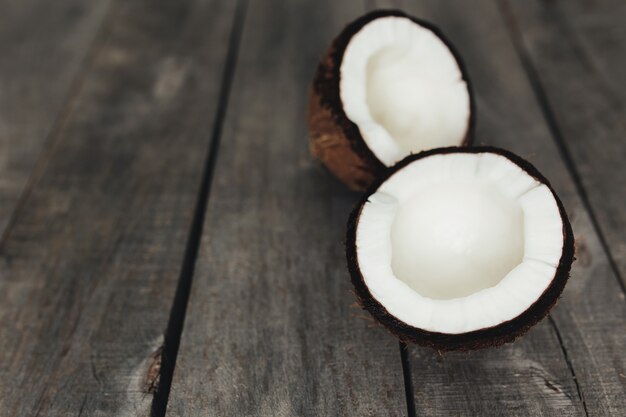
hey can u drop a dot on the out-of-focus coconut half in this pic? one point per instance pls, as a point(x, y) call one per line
point(460, 248)
point(390, 85)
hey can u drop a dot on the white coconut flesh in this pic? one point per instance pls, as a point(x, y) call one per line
point(458, 242)
point(402, 87)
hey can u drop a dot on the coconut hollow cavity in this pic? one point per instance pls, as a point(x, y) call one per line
point(460, 248)
point(390, 85)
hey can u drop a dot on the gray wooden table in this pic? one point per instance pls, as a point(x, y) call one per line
point(168, 247)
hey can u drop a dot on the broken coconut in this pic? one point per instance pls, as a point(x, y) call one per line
point(390, 85)
point(460, 248)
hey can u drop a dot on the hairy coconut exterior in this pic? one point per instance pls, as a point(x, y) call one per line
point(336, 140)
point(482, 338)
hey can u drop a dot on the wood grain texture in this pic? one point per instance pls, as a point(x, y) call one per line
point(90, 263)
point(43, 44)
point(271, 327)
point(590, 319)
point(577, 50)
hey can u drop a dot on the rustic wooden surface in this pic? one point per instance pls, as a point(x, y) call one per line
point(169, 248)
point(90, 263)
point(270, 313)
point(34, 92)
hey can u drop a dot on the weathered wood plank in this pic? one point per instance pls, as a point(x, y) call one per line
point(89, 266)
point(527, 378)
point(43, 44)
point(531, 376)
point(591, 316)
point(578, 53)
point(271, 329)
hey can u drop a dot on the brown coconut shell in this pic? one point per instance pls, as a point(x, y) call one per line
point(488, 337)
point(336, 140)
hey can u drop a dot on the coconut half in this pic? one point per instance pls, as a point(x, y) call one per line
point(389, 86)
point(460, 248)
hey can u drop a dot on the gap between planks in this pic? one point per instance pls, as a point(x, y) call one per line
point(408, 380)
point(181, 298)
point(581, 396)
